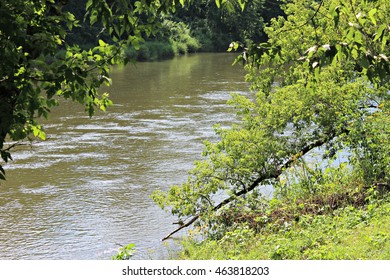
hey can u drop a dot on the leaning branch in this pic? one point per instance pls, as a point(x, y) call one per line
point(273, 175)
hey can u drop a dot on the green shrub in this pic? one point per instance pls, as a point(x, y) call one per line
point(348, 233)
point(125, 252)
point(179, 35)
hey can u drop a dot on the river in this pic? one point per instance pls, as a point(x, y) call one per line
point(87, 188)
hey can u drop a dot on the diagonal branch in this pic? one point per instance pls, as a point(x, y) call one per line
point(272, 175)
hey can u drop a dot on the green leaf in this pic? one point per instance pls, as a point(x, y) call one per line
point(358, 38)
point(242, 5)
point(38, 132)
point(364, 62)
point(380, 31)
point(335, 12)
point(371, 14)
point(102, 43)
point(354, 53)
point(88, 5)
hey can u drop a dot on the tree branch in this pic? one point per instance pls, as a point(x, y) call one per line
point(302, 25)
point(190, 222)
point(271, 175)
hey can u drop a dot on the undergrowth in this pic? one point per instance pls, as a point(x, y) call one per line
point(335, 216)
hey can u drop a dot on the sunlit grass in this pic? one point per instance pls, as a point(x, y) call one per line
point(347, 235)
point(351, 232)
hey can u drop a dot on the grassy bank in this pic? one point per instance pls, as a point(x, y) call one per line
point(174, 39)
point(160, 50)
point(339, 222)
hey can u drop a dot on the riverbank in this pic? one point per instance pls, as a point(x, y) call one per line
point(350, 222)
point(175, 40)
point(160, 50)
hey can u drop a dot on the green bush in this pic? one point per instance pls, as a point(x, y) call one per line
point(179, 35)
point(327, 213)
point(125, 252)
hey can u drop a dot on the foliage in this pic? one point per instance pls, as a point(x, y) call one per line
point(125, 252)
point(173, 39)
point(178, 33)
point(150, 51)
point(321, 81)
point(217, 25)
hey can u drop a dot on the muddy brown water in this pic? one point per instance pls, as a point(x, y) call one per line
point(87, 188)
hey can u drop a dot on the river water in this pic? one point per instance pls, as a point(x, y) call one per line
point(87, 188)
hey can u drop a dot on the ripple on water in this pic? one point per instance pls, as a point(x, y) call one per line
point(87, 188)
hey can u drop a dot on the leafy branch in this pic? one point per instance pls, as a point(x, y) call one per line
point(274, 174)
point(305, 23)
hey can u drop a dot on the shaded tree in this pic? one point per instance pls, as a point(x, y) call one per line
point(216, 27)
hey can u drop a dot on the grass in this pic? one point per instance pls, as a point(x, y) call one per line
point(339, 219)
point(155, 50)
point(348, 233)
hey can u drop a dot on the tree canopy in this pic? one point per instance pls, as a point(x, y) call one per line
point(320, 81)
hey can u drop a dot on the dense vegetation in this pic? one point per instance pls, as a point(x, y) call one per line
point(343, 220)
point(320, 85)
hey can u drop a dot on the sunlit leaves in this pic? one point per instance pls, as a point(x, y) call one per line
point(359, 33)
point(371, 15)
point(125, 252)
point(230, 4)
point(38, 132)
point(335, 13)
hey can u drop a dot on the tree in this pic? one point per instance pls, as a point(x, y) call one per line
point(321, 80)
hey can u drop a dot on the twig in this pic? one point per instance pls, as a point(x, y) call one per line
point(306, 22)
point(190, 222)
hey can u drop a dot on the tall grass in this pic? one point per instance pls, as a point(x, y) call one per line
point(174, 39)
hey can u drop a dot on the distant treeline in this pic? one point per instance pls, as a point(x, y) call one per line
point(201, 27)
